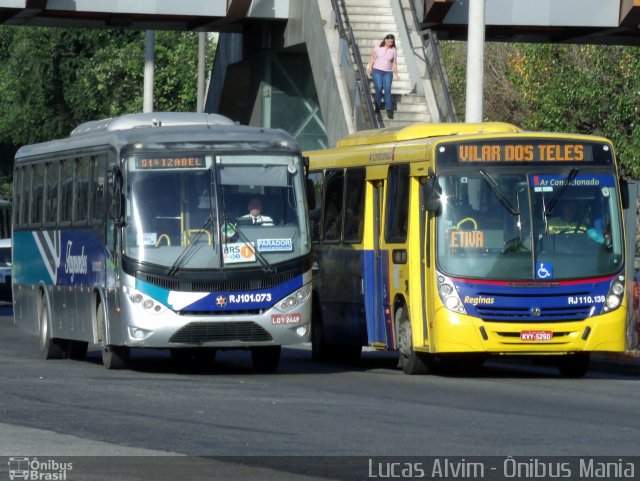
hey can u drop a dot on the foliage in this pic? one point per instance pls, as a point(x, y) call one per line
point(574, 88)
point(53, 79)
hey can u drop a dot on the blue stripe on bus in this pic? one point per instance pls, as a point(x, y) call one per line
point(220, 301)
point(63, 258)
point(377, 313)
point(526, 302)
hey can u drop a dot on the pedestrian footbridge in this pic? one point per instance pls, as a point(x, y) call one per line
point(300, 65)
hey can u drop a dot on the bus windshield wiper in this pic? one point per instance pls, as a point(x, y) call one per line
point(499, 193)
point(263, 262)
point(187, 251)
point(554, 200)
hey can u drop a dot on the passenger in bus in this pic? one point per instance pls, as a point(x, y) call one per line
point(568, 221)
point(255, 214)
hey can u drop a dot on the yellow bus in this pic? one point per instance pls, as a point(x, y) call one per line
point(460, 241)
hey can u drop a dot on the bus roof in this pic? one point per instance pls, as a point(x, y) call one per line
point(162, 127)
point(424, 130)
point(151, 119)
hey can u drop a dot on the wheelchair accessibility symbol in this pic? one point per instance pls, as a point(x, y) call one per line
point(544, 271)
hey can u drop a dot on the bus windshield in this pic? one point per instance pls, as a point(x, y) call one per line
point(507, 226)
point(228, 211)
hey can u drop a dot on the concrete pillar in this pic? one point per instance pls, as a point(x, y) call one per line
point(475, 62)
point(149, 66)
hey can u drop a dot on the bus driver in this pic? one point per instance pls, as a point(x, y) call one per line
point(255, 214)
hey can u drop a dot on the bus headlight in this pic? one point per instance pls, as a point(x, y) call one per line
point(613, 302)
point(615, 295)
point(148, 303)
point(294, 299)
point(137, 298)
point(449, 295)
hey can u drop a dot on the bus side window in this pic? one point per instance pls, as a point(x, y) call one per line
point(37, 194)
point(98, 180)
point(17, 196)
point(51, 205)
point(354, 206)
point(66, 191)
point(397, 209)
point(81, 199)
point(332, 222)
point(315, 214)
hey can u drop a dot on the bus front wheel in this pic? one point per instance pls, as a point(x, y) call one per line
point(50, 348)
point(410, 361)
point(113, 357)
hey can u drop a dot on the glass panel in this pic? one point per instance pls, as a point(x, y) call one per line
point(66, 191)
point(333, 205)
point(397, 204)
point(181, 218)
point(17, 199)
point(51, 206)
point(315, 211)
point(26, 195)
point(37, 194)
point(578, 227)
point(81, 204)
point(98, 182)
point(487, 227)
point(354, 206)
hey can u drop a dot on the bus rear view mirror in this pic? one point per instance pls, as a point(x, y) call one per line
point(432, 193)
point(117, 198)
point(624, 192)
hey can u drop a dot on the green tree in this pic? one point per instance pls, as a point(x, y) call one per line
point(53, 79)
point(574, 88)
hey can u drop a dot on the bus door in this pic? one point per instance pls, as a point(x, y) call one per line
point(376, 276)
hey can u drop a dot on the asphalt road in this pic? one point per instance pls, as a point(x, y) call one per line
point(157, 410)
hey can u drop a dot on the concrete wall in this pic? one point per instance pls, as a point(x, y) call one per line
point(312, 23)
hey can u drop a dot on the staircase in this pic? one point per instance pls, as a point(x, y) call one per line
point(370, 21)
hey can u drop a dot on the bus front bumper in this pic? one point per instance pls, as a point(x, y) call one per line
point(462, 333)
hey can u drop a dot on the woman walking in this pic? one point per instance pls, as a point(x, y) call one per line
point(383, 68)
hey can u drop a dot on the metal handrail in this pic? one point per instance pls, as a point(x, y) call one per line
point(346, 32)
point(447, 112)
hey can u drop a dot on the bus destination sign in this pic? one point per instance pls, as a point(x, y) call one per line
point(525, 151)
point(169, 163)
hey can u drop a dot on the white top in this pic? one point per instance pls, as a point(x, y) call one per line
point(264, 220)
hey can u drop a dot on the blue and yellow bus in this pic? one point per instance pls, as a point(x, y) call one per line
point(131, 234)
point(460, 241)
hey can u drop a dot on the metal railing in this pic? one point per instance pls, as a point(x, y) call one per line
point(429, 52)
point(361, 79)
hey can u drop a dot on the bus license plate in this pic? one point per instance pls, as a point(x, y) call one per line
point(536, 335)
point(293, 318)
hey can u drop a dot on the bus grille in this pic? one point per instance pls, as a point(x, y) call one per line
point(217, 286)
point(523, 314)
point(199, 332)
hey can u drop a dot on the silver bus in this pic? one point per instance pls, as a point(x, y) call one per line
point(137, 232)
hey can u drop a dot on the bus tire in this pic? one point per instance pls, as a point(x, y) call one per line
point(320, 350)
point(574, 365)
point(410, 361)
point(113, 357)
point(50, 348)
point(77, 350)
point(266, 358)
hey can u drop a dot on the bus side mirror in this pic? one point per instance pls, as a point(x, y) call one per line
point(117, 198)
point(624, 192)
point(311, 197)
point(432, 191)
